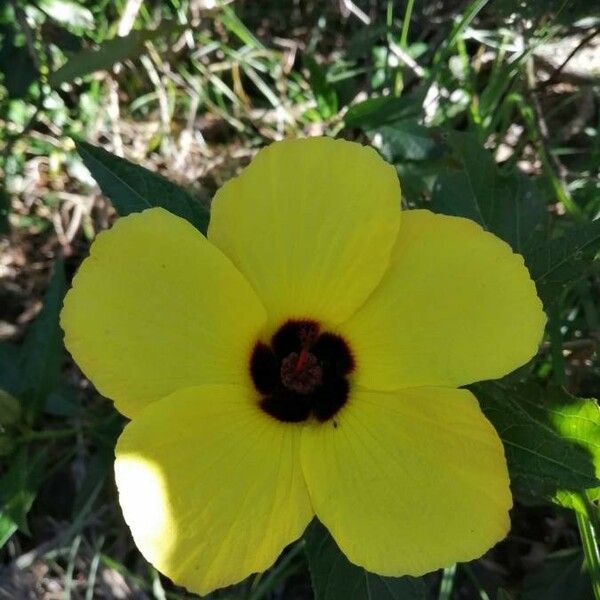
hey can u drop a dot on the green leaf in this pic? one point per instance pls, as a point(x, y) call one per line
point(408, 140)
point(98, 469)
point(16, 64)
point(233, 23)
point(7, 528)
point(10, 359)
point(512, 207)
point(18, 489)
point(561, 576)
point(376, 112)
point(532, 422)
point(509, 206)
point(42, 352)
point(564, 260)
point(334, 577)
point(132, 188)
point(325, 94)
point(578, 420)
point(108, 54)
point(52, 33)
point(10, 410)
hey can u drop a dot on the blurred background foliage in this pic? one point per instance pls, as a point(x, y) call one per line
point(489, 109)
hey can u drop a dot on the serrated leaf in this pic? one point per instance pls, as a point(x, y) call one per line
point(108, 54)
point(530, 421)
point(510, 206)
point(334, 577)
point(42, 352)
point(564, 260)
point(132, 188)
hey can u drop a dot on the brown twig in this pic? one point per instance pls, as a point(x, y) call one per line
point(554, 74)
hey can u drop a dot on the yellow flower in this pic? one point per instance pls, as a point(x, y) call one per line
point(304, 360)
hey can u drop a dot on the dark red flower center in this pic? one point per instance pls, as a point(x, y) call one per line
point(302, 372)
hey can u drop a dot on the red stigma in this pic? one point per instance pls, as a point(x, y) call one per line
point(304, 354)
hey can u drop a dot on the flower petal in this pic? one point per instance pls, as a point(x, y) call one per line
point(310, 223)
point(156, 308)
point(410, 481)
point(456, 306)
point(211, 487)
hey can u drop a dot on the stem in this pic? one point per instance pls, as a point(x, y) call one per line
point(470, 86)
point(589, 540)
point(470, 13)
point(552, 168)
point(483, 595)
point(406, 24)
point(447, 582)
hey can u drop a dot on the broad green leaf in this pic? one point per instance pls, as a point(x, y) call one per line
point(562, 576)
point(408, 140)
point(376, 112)
point(509, 206)
point(53, 33)
point(107, 54)
point(532, 422)
point(334, 577)
point(564, 260)
point(578, 420)
point(132, 188)
point(42, 352)
point(63, 402)
point(68, 12)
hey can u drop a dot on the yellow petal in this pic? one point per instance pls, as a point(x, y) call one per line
point(157, 308)
point(410, 481)
point(310, 223)
point(211, 487)
point(456, 306)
